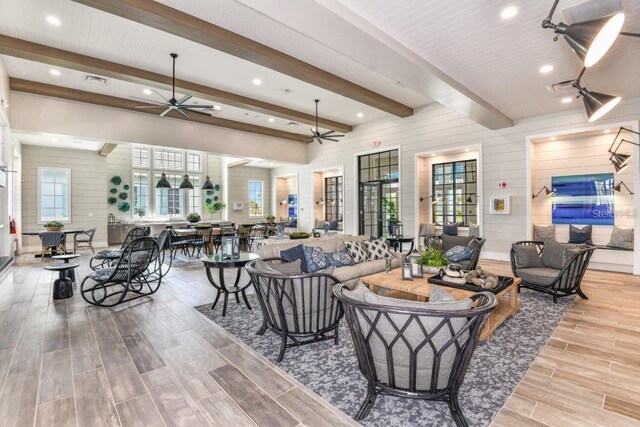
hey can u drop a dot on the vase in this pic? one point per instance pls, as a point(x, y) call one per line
point(430, 270)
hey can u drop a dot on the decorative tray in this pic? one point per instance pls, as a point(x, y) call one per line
point(503, 282)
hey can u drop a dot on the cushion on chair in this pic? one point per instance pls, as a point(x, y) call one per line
point(538, 276)
point(474, 230)
point(580, 235)
point(293, 268)
point(102, 274)
point(543, 232)
point(553, 253)
point(526, 256)
point(450, 229)
point(414, 335)
point(320, 223)
point(449, 242)
point(458, 253)
point(427, 230)
point(621, 238)
point(293, 222)
point(294, 253)
point(316, 259)
point(377, 249)
point(357, 251)
point(333, 224)
point(108, 254)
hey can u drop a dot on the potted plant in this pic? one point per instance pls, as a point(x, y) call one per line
point(54, 226)
point(299, 235)
point(392, 209)
point(270, 218)
point(214, 207)
point(432, 260)
point(140, 212)
point(193, 217)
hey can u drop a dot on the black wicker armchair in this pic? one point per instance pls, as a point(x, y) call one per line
point(106, 257)
point(414, 352)
point(556, 282)
point(300, 308)
point(138, 273)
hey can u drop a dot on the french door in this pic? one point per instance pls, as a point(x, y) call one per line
point(378, 180)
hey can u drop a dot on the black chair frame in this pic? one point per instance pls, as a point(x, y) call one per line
point(99, 261)
point(307, 327)
point(356, 312)
point(568, 280)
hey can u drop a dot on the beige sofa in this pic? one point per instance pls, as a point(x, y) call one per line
point(348, 275)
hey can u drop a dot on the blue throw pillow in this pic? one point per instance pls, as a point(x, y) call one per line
point(316, 259)
point(295, 253)
point(458, 253)
point(450, 229)
point(293, 222)
point(339, 259)
point(333, 224)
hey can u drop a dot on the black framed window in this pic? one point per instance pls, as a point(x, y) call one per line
point(455, 185)
point(333, 198)
point(378, 177)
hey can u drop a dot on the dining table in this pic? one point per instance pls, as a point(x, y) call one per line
point(66, 232)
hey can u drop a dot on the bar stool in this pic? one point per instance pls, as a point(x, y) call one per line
point(71, 274)
point(62, 286)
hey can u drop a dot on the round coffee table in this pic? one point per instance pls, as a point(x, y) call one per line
point(220, 263)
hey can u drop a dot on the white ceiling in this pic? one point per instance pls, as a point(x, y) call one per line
point(500, 59)
point(58, 141)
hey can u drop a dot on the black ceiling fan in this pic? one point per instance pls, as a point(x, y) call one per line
point(327, 136)
point(177, 105)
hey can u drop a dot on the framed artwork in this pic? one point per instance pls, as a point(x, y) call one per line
point(583, 199)
point(500, 205)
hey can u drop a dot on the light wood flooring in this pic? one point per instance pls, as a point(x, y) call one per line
point(151, 362)
point(157, 361)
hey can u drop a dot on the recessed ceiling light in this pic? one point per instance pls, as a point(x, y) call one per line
point(53, 21)
point(360, 115)
point(270, 164)
point(466, 149)
point(567, 100)
point(54, 72)
point(546, 69)
point(54, 140)
point(217, 107)
point(271, 119)
point(509, 12)
point(147, 91)
point(607, 131)
point(553, 138)
point(257, 82)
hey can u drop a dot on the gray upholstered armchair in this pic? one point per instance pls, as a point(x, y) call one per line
point(446, 242)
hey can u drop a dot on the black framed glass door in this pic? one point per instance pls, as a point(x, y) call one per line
point(378, 181)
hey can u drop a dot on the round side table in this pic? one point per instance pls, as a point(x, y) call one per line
point(71, 274)
point(62, 286)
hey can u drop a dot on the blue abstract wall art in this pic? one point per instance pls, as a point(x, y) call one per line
point(583, 199)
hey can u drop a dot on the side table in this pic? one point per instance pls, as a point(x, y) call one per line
point(62, 286)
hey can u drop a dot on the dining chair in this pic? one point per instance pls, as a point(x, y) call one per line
point(84, 239)
point(53, 242)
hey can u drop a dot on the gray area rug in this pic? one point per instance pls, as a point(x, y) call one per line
point(332, 370)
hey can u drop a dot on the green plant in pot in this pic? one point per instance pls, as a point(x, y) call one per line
point(193, 217)
point(432, 260)
point(54, 226)
point(212, 208)
point(140, 212)
point(392, 209)
point(270, 218)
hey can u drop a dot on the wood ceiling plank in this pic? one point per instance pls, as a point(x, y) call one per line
point(178, 23)
point(37, 88)
point(74, 61)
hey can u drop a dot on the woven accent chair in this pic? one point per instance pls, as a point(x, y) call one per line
point(137, 274)
point(106, 257)
point(163, 241)
point(300, 308)
point(405, 350)
point(556, 282)
point(53, 243)
point(84, 240)
point(244, 233)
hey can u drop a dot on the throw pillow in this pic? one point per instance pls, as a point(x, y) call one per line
point(474, 230)
point(357, 251)
point(265, 266)
point(458, 253)
point(328, 270)
point(320, 223)
point(450, 229)
point(293, 222)
point(580, 235)
point(427, 230)
point(339, 259)
point(621, 238)
point(294, 253)
point(316, 260)
point(333, 224)
point(526, 256)
point(438, 294)
point(553, 253)
point(543, 232)
point(289, 268)
point(377, 249)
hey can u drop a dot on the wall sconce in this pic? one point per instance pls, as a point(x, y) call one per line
point(469, 199)
point(618, 187)
point(436, 198)
point(284, 202)
point(320, 202)
point(547, 190)
point(620, 161)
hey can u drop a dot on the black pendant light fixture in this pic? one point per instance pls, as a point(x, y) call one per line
point(186, 184)
point(207, 184)
point(620, 161)
point(163, 182)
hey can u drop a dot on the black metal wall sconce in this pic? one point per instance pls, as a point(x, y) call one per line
point(620, 161)
point(469, 199)
point(548, 192)
point(618, 188)
point(320, 202)
point(284, 202)
point(436, 198)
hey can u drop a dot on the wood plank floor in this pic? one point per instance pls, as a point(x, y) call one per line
point(588, 374)
point(151, 362)
point(157, 361)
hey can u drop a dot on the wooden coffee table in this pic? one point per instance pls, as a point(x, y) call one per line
point(419, 289)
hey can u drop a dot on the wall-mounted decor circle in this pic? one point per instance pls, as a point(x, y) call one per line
point(113, 190)
point(209, 192)
point(217, 187)
point(124, 206)
point(208, 202)
point(112, 200)
point(116, 180)
point(123, 196)
point(126, 186)
point(216, 198)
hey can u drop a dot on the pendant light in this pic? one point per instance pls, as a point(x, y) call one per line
point(207, 184)
point(186, 184)
point(163, 182)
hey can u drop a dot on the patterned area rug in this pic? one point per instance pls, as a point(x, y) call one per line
point(181, 260)
point(332, 370)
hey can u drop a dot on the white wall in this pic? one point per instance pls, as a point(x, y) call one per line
point(88, 190)
point(8, 150)
point(238, 178)
point(435, 127)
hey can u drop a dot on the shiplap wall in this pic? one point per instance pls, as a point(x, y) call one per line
point(578, 156)
point(435, 127)
point(88, 194)
point(238, 178)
